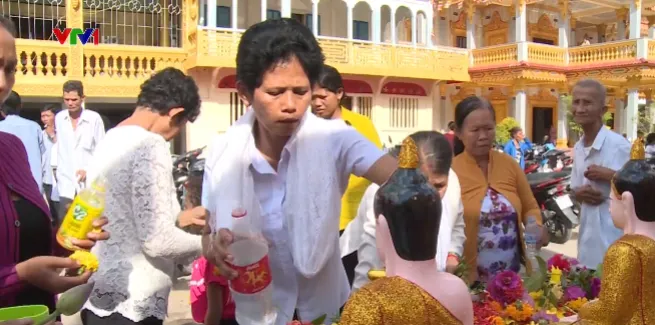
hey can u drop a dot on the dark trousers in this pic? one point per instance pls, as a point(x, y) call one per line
point(350, 261)
point(89, 318)
point(64, 204)
point(54, 205)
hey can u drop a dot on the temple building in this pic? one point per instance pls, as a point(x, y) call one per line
point(406, 63)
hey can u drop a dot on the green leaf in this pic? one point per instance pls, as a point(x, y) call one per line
point(320, 320)
point(535, 282)
point(543, 266)
point(599, 271)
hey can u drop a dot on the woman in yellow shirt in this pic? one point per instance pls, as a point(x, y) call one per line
point(326, 103)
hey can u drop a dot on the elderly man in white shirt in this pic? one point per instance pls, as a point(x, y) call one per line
point(360, 234)
point(79, 131)
point(598, 155)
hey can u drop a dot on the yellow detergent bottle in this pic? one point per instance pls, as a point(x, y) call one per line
point(87, 206)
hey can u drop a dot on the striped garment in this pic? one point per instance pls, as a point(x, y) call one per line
point(16, 177)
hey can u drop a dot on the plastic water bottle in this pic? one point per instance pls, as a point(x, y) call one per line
point(532, 235)
point(251, 289)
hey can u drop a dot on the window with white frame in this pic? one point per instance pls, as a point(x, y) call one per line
point(365, 106)
point(223, 16)
point(403, 112)
point(237, 108)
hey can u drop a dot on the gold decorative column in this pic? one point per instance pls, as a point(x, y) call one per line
point(164, 35)
point(75, 57)
point(190, 31)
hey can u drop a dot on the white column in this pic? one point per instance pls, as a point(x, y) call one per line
point(264, 8)
point(235, 14)
point(521, 26)
point(349, 20)
point(470, 29)
point(376, 29)
point(413, 27)
point(315, 17)
point(564, 29)
point(573, 39)
point(632, 113)
point(286, 8)
point(211, 13)
point(429, 29)
point(562, 121)
point(635, 20)
point(392, 22)
point(521, 107)
point(619, 109)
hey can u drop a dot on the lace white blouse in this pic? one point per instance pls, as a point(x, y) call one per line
point(137, 263)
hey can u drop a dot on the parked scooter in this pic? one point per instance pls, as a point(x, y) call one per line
point(181, 168)
point(560, 214)
point(541, 160)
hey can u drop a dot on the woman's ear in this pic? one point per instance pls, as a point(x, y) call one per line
point(340, 94)
point(244, 94)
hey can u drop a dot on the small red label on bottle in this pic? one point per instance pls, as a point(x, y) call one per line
point(252, 278)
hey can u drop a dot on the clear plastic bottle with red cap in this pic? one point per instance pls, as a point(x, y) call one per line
point(252, 289)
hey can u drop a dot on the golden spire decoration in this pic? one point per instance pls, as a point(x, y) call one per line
point(408, 156)
point(637, 151)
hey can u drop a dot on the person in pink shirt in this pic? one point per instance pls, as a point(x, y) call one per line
point(211, 303)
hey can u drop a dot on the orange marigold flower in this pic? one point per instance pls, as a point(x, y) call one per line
point(497, 320)
point(495, 305)
point(520, 313)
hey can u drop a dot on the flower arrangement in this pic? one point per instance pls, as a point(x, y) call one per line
point(87, 260)
point(563, 285)
point(558, 289)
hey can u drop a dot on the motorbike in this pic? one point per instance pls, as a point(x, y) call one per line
point(542, 160)
point(188, 171)
point(560, 214)
point(182, 165)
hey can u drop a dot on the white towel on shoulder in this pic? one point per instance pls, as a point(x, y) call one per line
point(312, 202)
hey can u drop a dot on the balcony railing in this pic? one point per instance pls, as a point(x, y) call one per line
point(626, 51)
point(217, 48)
point(106, 70)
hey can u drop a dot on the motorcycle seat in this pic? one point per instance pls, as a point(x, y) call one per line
point(538, 178)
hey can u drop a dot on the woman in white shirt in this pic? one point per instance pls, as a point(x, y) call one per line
point(436, 157)
point(134, 278)
point(289, 169)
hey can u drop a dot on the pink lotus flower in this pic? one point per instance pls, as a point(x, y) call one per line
point(595, 288)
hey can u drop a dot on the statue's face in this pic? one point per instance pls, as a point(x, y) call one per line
point(617, 211)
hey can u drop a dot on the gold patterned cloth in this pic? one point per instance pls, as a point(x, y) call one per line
point(627, 286)
point(394, 301)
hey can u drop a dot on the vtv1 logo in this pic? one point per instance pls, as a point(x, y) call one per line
point(73, 34)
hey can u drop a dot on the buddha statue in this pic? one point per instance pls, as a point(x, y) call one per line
point(408, 213)
point(629, 264)
point(638, 149)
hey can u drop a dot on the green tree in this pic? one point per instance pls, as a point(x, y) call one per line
point(502, 129)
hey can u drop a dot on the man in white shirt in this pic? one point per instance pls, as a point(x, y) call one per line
point(79, 131)
point(598, 155)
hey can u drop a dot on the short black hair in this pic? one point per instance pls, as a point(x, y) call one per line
point(74, 85)
point(13, 104)
point(513, 131)
point(451, 125)
point(268, 43)
point(638, 178)
point(8, 24)
point(330, 79)
point(170, 88)
point(54, 108)
point(434, 150)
